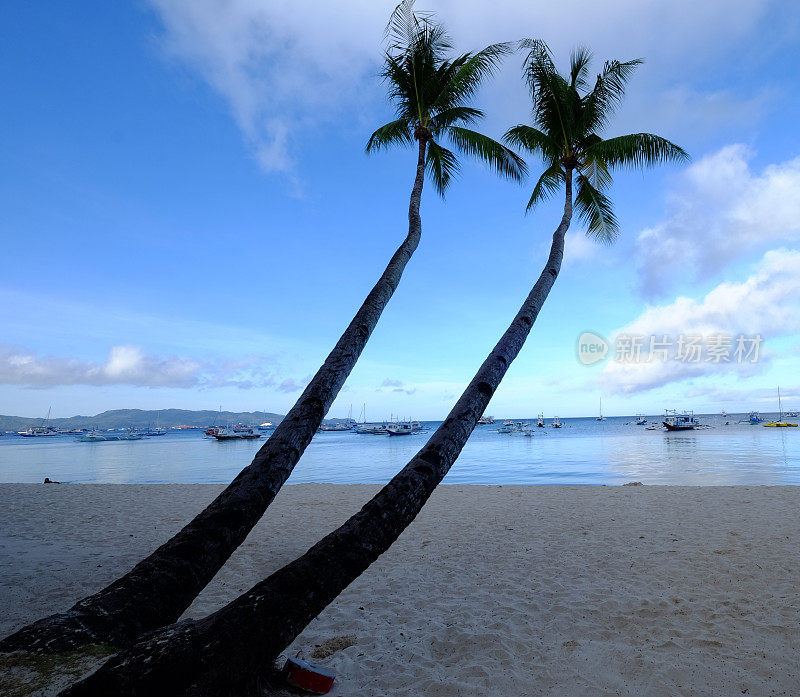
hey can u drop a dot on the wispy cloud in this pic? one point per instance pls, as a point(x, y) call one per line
point(126, 365)
point(396, 386)
point(721, 211)
point(288, 68)
point(130, 365)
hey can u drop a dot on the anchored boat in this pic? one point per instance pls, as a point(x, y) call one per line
point(780, 423)
point(673, 421)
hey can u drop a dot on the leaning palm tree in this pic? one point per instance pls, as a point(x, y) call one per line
point(233, 646)
point(431, 93)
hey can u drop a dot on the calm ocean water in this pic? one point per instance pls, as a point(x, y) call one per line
point(583, 451)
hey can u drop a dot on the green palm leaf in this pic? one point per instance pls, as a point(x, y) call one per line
point(637, 150)
point(595, 210)
point(442, 165)
point(533, 140)
point(500, 158)
point(393, 133)
point(549, 182)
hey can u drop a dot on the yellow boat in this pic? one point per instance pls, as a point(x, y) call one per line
point(780, 424)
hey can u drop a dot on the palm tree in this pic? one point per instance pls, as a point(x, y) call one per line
point(239, 642)
point(430, 92)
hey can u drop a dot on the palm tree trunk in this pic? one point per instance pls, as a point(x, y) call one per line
point(160, 588)
point(225, 651)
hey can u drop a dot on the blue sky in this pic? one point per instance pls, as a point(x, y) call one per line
point(189, 219)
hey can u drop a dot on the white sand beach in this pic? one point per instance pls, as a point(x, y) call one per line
point(494, 590)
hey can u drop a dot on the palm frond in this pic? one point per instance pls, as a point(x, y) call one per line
point(500, 158)
point(442, 165)
point(535, 141)
point(637, 150)
point(579, 66)
point(595, 210)
point(470, 70)
point(549, 182)
point(608, 92)
point(454, 115)
point(393, 133)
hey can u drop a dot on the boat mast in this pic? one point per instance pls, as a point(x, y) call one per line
point(780, 408)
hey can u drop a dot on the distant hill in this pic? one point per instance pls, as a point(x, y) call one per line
point(139, 418)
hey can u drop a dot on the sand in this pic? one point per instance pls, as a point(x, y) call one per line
point(494, 590)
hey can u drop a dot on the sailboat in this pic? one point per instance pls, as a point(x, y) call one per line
point(780, 423)
point(601, 417)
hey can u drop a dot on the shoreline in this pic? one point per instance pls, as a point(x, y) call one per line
point(494, 589)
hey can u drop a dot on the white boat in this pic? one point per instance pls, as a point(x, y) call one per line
point(131, 434)
point(540, 421)
point(156, 431)
point(266, 426)
point(724, 414)
point(556, 422)
point(486, 421)
point(236, 433)
point(685, 421)
point(793, 413)
point(94, 436)
point(402, 428)
point(336, 427)
point(780, 423)
point(372, 429)
point(640, 420)
point(601, 417)
point(38, 431)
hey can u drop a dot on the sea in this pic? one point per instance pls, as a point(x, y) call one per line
point(727, 451)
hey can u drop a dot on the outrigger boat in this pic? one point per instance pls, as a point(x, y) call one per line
point(640, 420)
point(237, 433)
point(780, 423)
point(540, 421)
point(486, 421)
point(556, 422)
point(673, 421)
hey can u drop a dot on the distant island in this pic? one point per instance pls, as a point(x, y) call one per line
point(141, 418)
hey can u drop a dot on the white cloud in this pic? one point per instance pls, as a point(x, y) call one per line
point(286, 67)
point(766, 303)
point(721, 211)
point(126, 365)
point(579, 247)
point(129, 365)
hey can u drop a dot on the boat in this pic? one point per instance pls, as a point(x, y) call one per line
point(156, 431)
point(131, 434)
point(486, 421)
point(236, 433)
point(724, 414)
point(540, 421)
point(601, 417)
point(266, 426)
point(94, 436)
point(754, 418)
point(504, 429)
point(371, 429)
point(556, 422)
point(336, 427)
point(793, 414)
point(640, 420)
point(780, 423)
point(403, 428)
point(685, 421)
point(38, 431)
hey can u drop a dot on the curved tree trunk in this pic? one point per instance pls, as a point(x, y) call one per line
point(225, 651)
point(160, 588)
